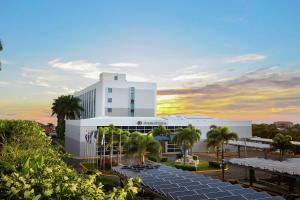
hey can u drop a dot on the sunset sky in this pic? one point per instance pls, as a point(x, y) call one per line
point(228, 59)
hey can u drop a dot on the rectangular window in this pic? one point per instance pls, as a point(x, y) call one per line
point(109, 110)
point(109, 90)
point(116, 78)
point(132, 101)
point(109, 100)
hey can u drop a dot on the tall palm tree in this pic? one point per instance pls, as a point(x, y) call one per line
point(139, 145)
point(213, 142)
point(161, 134)
point(283, 143)
point(221, 135)
point(123, 137)
point(65, 107)
point(186, 138)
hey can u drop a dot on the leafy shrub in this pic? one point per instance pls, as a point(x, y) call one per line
point(157, 159)
point(178, 156)
point(33, 169)
point(195, 157)
point(216, 164)
point(164, 159)
point(186, 167)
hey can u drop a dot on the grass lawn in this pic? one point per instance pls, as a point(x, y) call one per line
point(202, 166)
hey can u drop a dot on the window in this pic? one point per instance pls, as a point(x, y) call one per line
point(116, 78)
point(109, 100)
point(109, 90)
point(132, 101)
point(109, 110)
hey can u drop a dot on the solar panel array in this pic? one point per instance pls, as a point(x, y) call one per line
point(172, 183)
point(287, 167)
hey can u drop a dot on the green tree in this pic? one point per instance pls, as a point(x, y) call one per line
point(160, 132)
point(65, 107)
point(139, 145)
point(186, 138)
point(283, 143)
point(220, 136)
point(213, 142)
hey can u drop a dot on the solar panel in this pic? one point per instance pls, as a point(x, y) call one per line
point(256, 195)
point(207, 190)
point(193, 197)
point(243, 191)
point(230, 187)
point(196, 187)
point(166, 191)
point(219, 184)
point(175, 195)
point(189, 183)
point(273, 198)
point(218, 194)
point(237, 197)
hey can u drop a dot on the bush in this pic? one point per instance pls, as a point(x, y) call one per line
point(186, 167)
point(178, 156)
point(216, 164)
point(195, 157)
point(33, 169)
point(155, 159)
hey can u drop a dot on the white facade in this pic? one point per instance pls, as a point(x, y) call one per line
point(77, 129)
point(113, 95)
point(111, 100)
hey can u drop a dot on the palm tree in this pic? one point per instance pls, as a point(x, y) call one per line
point(65, 107)
point(123, 137)
point(220, 136)
point(283, 143)
point(213, 142)
point(139, 145)
point(186, 138)
point(161, 134)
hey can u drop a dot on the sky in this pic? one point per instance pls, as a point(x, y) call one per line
point(235, 59)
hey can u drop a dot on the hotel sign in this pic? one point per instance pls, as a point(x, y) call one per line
point(151, 123)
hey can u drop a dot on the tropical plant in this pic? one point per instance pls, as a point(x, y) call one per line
point(213, 142)
point(219, 136)
point(139, 145)
point(34, 169)
point(283, 143)
point(65, 107)
point(160, 133)
point(186, 138)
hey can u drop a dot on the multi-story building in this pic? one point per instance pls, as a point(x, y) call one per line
point(113, 95)
point(132, 106)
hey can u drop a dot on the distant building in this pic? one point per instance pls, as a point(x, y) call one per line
point(283, 124)
point(131, 106)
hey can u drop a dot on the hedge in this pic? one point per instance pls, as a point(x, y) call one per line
point(216, 164)
point(186, 167)
point(155, 159)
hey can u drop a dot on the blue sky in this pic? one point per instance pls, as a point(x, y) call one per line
point(181, 45)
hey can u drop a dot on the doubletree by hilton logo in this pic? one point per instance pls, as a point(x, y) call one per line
point(151, 123)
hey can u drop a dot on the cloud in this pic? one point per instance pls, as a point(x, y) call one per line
point(3, 83)
point(245, 58)
point(263, 94)
point(124, 64)
point(5, 62)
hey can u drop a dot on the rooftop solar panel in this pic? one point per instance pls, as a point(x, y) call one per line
point(196, 187)
point(175, 195)
point(256, 195)
point(189, 184)
point(220, 184)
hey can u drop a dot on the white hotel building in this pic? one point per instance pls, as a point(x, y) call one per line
point(132, 106)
